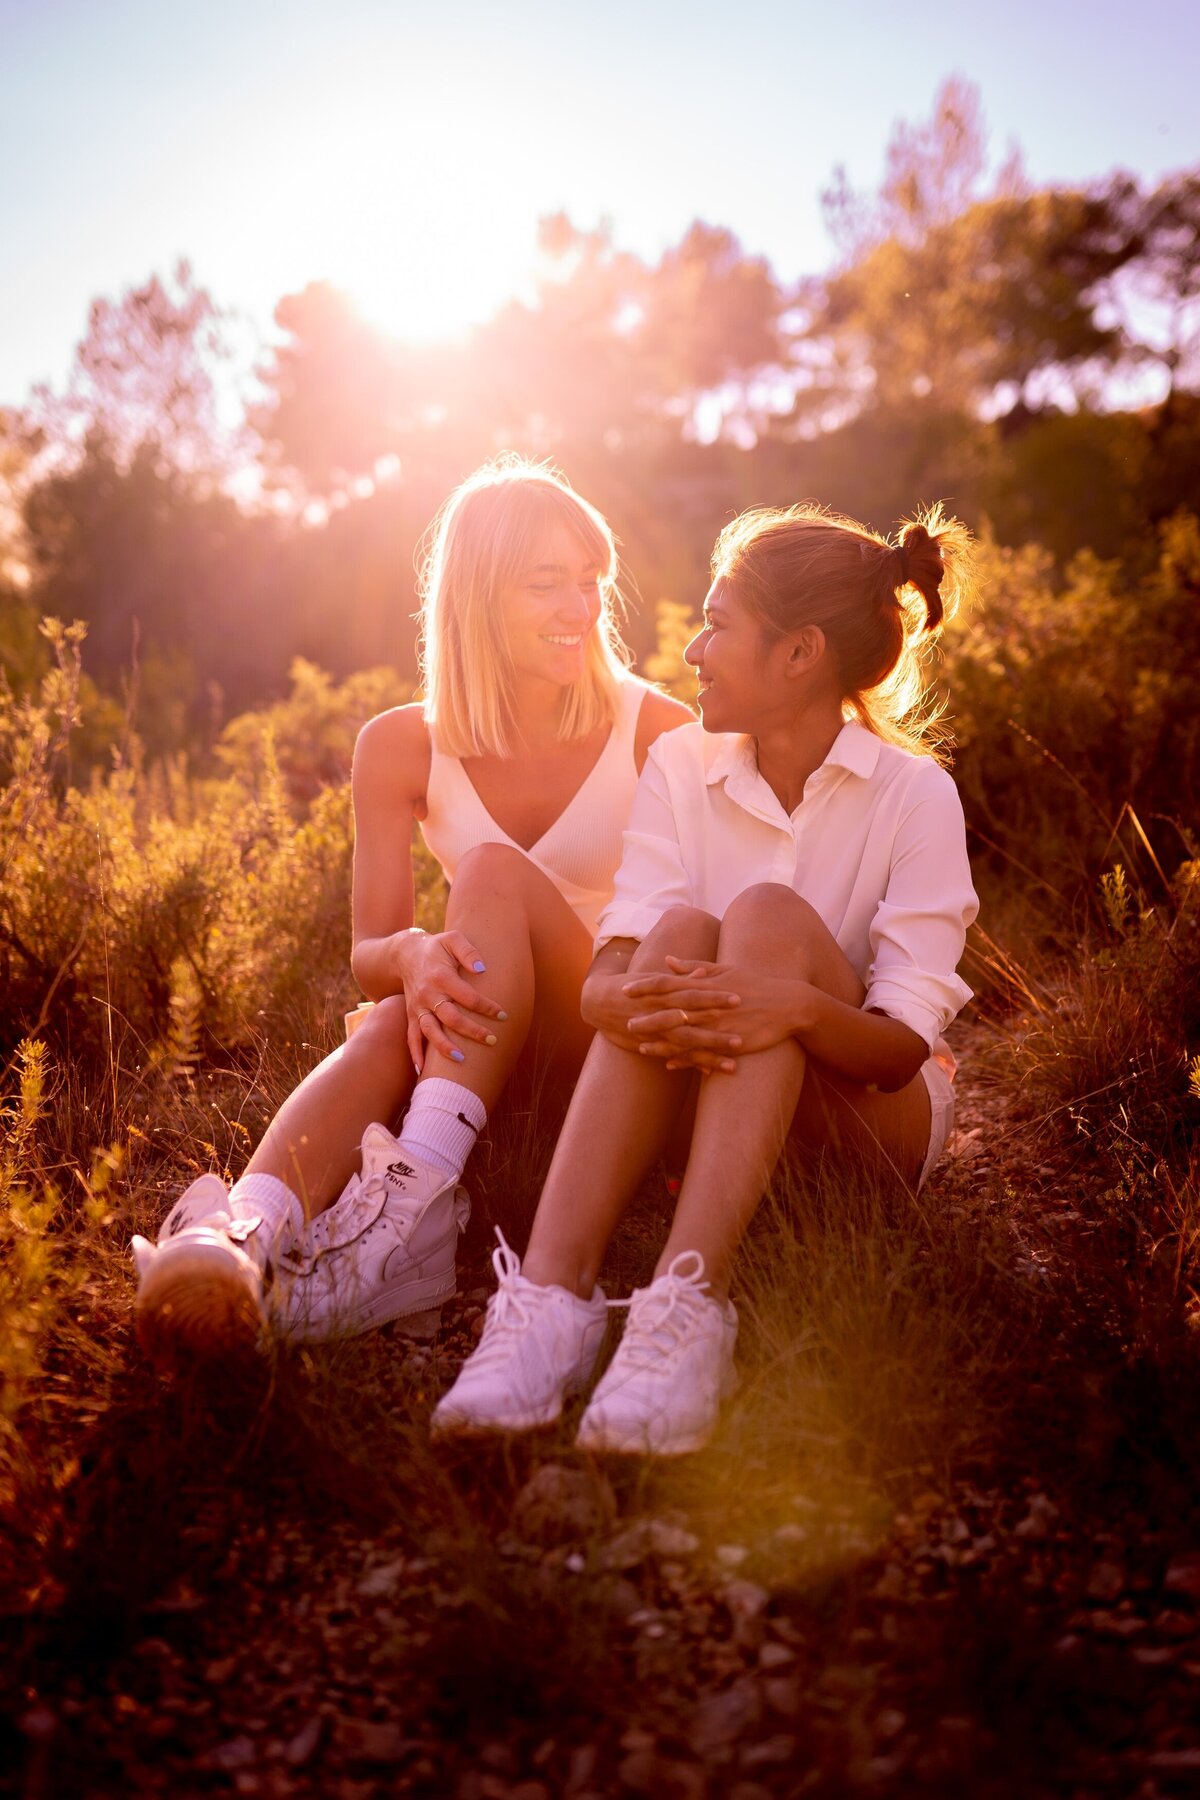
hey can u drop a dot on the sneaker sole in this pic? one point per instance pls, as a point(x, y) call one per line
point(193, 1306)
point(608, 1443)
point(457, 1425)
point(602, 1439)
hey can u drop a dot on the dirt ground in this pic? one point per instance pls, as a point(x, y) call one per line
point(1027, 1626)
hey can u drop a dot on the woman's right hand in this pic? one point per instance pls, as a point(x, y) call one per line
point(617, 1005)
point(437, 971)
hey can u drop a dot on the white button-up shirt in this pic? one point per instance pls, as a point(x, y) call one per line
point(877, 846)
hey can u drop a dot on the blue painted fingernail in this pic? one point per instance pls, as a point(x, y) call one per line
point(479, 968)
point(502, 1015)
point(457, 1056)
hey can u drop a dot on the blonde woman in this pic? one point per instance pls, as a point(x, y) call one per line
point(780, 955)
point(519, 766)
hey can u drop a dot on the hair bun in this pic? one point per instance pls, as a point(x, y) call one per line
point(919, 561)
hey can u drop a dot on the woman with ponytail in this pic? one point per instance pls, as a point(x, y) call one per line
point(779, 955)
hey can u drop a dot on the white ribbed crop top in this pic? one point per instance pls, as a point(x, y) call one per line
point(581, 850)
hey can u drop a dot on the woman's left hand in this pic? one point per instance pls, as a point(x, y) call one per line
point(754, 1010)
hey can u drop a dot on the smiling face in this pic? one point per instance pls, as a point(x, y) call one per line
point(552, 608)
point(735, 663)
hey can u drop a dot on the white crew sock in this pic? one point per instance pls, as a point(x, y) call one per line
point(441, 1125)
point(267, 1198)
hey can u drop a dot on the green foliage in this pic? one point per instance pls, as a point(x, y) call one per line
point(150, 914)
point(1076, 703)
point(675, 626)
point(1116, 1040)
point(310, 735)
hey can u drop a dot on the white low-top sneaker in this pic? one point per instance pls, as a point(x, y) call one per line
point(200, 1286)
point(662, 1391)
point(539, 1345)
point(384, 1251)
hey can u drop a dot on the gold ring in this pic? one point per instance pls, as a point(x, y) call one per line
point(425, 1014)
point(684, 1016)
point(442, 1002)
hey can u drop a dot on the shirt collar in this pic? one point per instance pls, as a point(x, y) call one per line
point(854, 748)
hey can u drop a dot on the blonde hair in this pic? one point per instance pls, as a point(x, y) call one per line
point(489, 532)
point(880, 602)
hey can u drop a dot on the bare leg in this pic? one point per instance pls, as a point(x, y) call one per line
point(743, 1120)
point(313, 1141)
point(537, 954)
point(619, 1119)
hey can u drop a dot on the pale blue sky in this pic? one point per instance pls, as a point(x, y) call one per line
point(405, 151)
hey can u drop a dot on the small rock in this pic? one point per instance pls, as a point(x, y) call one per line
point(1039, 1519)
point(1183, 1576)
point(559, 1505)
point(499, 1757)
point(662, 1777)
point(371, 1740)
point(647, 1538)
point(237, 1753)
point(1174, 1762)
point(1107, 1583)
point(718, 1719)
point(39, 1723)
point(731, 1556)
point(299, 1748)
point(745, 1599)
point(772, 1752)
point(580, 1767)
point(381, 1580)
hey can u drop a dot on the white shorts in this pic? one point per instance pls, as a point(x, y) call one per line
point(941, 1113)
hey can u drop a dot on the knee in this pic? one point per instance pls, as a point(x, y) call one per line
point(383, 1035)
point(487, 867)
point(773, 916)
point(681, 931)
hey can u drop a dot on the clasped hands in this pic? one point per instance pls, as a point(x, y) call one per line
point(704, 1015)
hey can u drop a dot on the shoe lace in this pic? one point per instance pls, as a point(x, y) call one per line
point(663, 1315)
point(509, 1311)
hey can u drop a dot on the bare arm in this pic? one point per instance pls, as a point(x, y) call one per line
point(864, 1045)
point(391, 955)
point(391, 768)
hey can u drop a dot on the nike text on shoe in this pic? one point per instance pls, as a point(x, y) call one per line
point(539, 1344)
point(200, 1287)
point(662, 1391)
point(384, 1251)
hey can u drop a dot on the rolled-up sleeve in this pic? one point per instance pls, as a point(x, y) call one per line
point(919, 929)
point(652, 877)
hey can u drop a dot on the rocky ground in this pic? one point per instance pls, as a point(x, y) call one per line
point(1026, 1624)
